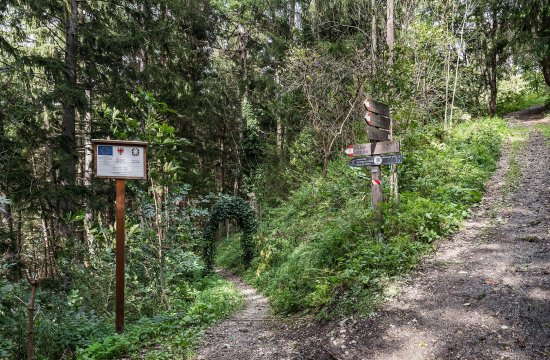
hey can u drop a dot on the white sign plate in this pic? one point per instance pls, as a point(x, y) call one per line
point(120, 159)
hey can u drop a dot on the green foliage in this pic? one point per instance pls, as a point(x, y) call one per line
point(171, 334)
point(61, 324)
point(318, 251)
point(235, 208)
point(229, 254)
point(151, 125)
point(517, 143)
point(521, 92)
point(172, 73)
point(545, 129)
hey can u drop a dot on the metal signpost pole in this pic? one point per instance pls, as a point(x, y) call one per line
point(119, 320)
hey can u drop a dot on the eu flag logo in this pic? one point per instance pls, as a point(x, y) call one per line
point(105, 150)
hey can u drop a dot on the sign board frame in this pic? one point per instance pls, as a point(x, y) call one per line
point(376, 134)
point(138, 144)
point(376, 160)
point(378, 121)
point(377, 107)
point(374, 148)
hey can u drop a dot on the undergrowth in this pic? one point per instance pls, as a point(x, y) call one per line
point(544, 129)
point(520, 101)
point(517, 143)
point(317, 252)
point(172, 334)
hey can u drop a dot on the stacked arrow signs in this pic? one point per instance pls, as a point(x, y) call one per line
point(375, 153)
point(379, 131)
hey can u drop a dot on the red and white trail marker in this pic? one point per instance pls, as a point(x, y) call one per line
point(349, 150)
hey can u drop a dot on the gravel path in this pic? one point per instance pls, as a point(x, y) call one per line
point(484, 294)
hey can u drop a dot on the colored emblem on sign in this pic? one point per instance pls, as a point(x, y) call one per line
point(105, 150)
point(120, 150)
point(135, 152)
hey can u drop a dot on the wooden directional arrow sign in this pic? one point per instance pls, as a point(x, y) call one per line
point(376, 160)
point(375, 148)
point(375, 134)
point(377, 107)
point(378, 121)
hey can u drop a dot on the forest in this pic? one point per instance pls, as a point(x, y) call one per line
point(247, 107)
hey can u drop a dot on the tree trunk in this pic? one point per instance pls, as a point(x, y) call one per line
point(222, 158)
point(68, 176)
point(242, 42)
point(545, 65)
point(390, 38)
point(492, 73)
point(291, 15)
point(390, 33)
point(33, 282)
point(11, 251)
point(278, 117)
point(87, 170)
point(492, 70)
point(457, 63)
point(373, 39)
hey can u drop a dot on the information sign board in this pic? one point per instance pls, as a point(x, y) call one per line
point(118, 159)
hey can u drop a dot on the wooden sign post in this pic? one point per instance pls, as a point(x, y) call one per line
point(120, 160)
point(379, 128)
point(375, 153)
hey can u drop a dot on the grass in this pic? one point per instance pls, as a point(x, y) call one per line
point(518, 139)
point(318, 252)
point(522, 101)
point(544, 129)
point(173, 334)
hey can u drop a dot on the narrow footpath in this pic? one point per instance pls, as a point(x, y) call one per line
point(484, 294)
point(250, 334)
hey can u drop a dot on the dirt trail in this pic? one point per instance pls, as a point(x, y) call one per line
point(249, 335)
point(484, 294)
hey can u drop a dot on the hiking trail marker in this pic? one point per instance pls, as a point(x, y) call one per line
point(376, 160)
point(377, 152)
point(120, 160)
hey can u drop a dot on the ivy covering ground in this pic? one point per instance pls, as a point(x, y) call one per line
point(318, 250)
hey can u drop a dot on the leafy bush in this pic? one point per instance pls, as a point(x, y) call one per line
point(172, 333)
point(60, 326)
point(519, 93)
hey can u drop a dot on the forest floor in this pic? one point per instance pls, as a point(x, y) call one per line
point(483, 294)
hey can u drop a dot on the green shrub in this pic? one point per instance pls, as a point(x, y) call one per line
point(173, 332)
point(60, 325)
